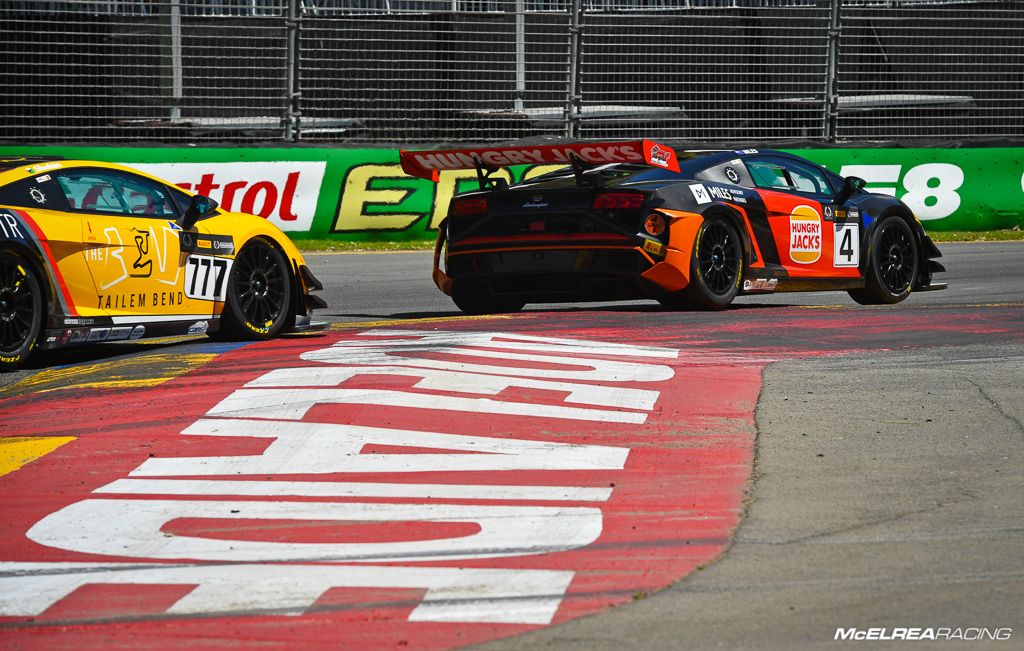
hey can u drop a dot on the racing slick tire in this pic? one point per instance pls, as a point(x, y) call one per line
point(21, 309)
point(477, 302)
point(716, 269)
point(259, 294)
point(891, 265)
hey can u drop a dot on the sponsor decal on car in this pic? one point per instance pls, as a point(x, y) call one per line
point(700, 193)
point(10, 228)
point(98, 334)
point(119, 333)
point(760, 285)
point(660, 156)
point(217, 244)
point(804, 235)
point(719, 193)
point(199, 328)
point(45, 167)
point(147, 254)
point(139, 300)
point(654, 248)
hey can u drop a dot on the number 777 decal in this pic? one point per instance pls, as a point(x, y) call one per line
point(206, 277)
point(847, 245)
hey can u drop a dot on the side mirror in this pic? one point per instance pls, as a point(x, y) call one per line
point(851, 186)
point(200, 206)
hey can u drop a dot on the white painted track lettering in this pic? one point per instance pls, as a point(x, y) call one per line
point(134, 528)
point(378, 353)
point(281, 488)
point(324, 448)
point(453, 595)
point(292, 404)
point(437, 380)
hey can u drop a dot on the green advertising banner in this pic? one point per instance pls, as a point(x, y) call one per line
point(363, 195)
point(948, 189)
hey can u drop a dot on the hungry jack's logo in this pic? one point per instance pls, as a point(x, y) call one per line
point(804, 235)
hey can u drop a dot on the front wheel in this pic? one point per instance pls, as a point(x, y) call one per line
point(21, 309)
point(259, 293)
point(891, 266)
point(716, 269)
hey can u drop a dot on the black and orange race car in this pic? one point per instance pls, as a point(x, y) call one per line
point(93, 252)
point(626, 220)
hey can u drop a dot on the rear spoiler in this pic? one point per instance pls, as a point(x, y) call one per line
point(429, 163)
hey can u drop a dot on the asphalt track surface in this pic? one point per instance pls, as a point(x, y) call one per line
point(885, 487)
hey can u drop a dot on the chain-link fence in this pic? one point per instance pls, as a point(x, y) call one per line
point(419, 71)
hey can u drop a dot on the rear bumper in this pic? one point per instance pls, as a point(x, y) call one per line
point(556, 274)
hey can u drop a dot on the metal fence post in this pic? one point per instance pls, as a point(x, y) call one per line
point(171, 84)
point(830, 104)
point(520, 9)
point(293, 109)
point(572, 96)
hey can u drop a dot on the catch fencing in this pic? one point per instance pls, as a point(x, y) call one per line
point(428, 71)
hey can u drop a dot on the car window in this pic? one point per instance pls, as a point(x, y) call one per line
point(35, 192)
point(733, 172)
point(101, 191)
point(768, 175)
point(785, 174)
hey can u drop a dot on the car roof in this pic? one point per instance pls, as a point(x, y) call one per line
point(21, 161)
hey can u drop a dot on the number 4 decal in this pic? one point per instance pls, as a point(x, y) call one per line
point(206, 277)
point(847, 245)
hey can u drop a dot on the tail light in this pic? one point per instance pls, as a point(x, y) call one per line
point(617, 201)
point(465, 206)
point(655, 224)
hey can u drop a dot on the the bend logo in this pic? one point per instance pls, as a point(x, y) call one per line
point(804, 235)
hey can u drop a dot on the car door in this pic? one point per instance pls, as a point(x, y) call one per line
point(132, 245)
point(815, 237)
point(42, 209)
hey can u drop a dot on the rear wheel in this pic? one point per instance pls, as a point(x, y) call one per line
point(716, 269)
point(891, 266)
point(21, 309)
point(259, 294)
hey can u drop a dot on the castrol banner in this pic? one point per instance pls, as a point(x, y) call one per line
point(283, 192)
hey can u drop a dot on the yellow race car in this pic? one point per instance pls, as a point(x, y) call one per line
point(93, 252)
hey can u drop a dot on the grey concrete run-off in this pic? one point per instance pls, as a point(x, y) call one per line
point(887, 493)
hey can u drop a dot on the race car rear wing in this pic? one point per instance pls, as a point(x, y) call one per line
point(429, 164)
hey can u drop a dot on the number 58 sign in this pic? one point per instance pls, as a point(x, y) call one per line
point(930, 189)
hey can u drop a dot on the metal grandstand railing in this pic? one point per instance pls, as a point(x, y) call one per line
point(418, 71)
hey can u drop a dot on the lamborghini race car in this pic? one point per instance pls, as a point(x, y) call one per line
point(93, 252)
point(626, 220)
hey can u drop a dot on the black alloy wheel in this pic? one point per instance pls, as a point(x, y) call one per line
point(718, 258)
point(716, 269)
point(21, 309)
point(892, 264)
point(259, 293)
